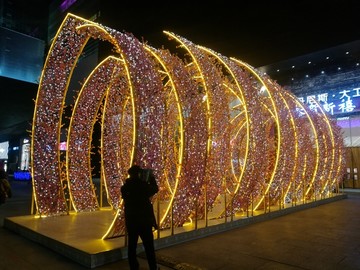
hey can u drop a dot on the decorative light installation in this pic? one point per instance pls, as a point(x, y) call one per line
point(221, 138)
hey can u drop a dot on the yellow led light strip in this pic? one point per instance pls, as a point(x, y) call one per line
point(296, 147)
point(278, 128)
point(313, 129)
point(239, 94)
point(332, 146)
point(173, 88)
point(80, 131)
point(46, 126)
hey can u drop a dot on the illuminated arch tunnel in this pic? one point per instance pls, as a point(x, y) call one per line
point(221, 138)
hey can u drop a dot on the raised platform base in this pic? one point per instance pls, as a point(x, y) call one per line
point(78, 235)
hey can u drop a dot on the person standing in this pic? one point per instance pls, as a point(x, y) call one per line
point(5, 188)
point(139, 214)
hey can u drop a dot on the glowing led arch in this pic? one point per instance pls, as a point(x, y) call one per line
point(222, 138)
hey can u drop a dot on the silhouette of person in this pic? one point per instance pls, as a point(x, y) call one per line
point(139, 214)
point(5, 188)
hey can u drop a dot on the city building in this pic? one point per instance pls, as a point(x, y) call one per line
point(22, 51)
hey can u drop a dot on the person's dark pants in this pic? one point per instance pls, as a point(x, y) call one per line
point(147, 237)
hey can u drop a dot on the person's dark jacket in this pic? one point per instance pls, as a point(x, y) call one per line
point(5, 188)
point(138, 207)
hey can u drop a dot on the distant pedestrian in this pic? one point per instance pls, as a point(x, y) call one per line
point(139, 214)
point(5, 188)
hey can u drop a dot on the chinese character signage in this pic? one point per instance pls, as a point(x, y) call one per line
point(335, 102)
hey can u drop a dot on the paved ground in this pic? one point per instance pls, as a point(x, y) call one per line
point(324, 237)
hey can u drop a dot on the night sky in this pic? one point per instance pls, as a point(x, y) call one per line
point(257, 32)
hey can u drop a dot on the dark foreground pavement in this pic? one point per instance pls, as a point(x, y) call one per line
point(323, 237)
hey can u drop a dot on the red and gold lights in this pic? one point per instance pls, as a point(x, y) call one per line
point(212, 128)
